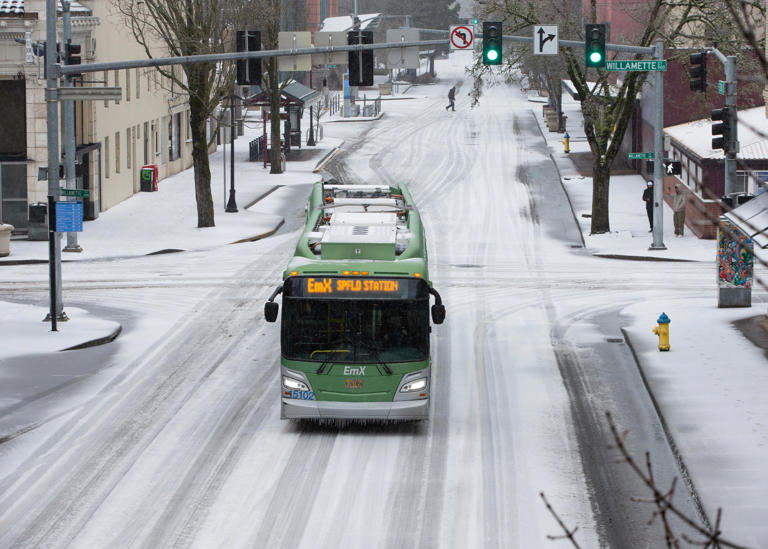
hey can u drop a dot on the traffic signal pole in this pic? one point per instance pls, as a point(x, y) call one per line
point(658, 156)
point(52, 115)
point(730, 102)
point(69, 124)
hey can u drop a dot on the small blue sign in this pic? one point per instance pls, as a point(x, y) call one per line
point(347, 90)
point(69, 217)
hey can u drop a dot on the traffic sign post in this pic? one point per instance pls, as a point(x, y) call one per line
point(545, 40)
point(461, 37)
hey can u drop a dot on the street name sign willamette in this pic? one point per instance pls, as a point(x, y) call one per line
point(545, 40)
point(641, 65)
point(639, 156)
point(461, 37)
point(80, 193)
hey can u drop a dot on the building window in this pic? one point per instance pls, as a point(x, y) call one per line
point(761, 182)
point(128, 147)
point(741, 185)
point(156, 135)
point(138, 83)
point(146, 143)
point(117, 152)
point(698, 179)
point(127, 84)
point(106, 157)
point(106, 83)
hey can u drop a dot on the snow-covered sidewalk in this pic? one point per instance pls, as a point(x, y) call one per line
point(710, 388)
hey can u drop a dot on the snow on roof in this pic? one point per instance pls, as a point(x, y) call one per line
point(11, 7)
point(16, 7)
point(345, 22)
point(696, 136)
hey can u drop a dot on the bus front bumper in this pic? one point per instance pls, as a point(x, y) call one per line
point(319, 409)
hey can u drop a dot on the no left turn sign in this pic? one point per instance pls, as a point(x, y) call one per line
point(461, 37)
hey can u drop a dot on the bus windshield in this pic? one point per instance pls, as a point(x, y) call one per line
point(355, 331)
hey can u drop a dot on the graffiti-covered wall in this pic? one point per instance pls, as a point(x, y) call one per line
point(735, 256)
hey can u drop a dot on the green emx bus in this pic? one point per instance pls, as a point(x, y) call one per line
point(355, 330)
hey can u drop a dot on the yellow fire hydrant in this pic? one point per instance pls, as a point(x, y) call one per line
point(662, 330)
point(567, 142)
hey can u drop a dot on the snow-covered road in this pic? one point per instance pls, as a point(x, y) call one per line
point(175, 440)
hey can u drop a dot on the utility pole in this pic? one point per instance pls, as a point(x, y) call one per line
point(69, 125)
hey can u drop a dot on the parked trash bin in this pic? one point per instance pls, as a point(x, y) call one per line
point(38, 221)
point(5, 239)
point(149, 178)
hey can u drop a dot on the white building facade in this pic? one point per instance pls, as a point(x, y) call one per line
point(148, 126)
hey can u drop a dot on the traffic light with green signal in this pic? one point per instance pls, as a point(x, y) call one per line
point(492, 43)
point(594, 45)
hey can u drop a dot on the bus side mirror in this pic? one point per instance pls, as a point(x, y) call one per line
point(270, 311)
point(438, 314)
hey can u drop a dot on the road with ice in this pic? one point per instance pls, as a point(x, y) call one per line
point(175, 440)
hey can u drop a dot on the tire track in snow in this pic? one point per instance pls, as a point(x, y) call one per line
point(291, 503)
point(160, 385)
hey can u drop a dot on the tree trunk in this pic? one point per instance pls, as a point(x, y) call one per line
point(198, 83)
point(601, 178)
point(276, 165)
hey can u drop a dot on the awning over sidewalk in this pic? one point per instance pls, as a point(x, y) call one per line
point(293, 94)
point(752, 218)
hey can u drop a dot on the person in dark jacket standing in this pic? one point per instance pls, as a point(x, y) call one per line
point(648, 198)
point(451, 99)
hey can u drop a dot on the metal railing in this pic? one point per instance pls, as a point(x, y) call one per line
point(256, 149)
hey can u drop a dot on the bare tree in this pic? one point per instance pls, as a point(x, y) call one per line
point(607, 106)
point(269, 19)
point(190, 27)
point(709, 536)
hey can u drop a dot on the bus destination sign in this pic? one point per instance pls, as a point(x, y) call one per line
point(356, 287)
point(331, 286)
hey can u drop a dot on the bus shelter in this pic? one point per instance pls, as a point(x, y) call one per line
point(294, 98)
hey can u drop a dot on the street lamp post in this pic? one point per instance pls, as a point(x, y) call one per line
point(311, 140)
point(231, 204)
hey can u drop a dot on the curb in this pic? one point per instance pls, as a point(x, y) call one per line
point(260, 236)
point(644, 258)
point(270, 191)
point(684, 472)
point(98, 341)
point(326, 159)
point(560, 178)
point(24, 261)
point(377, 117)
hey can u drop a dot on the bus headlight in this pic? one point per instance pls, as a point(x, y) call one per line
point(415, 385)
point(294, 384)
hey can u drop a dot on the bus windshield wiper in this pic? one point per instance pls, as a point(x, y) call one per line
point(376, 354)
point(325, 362)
